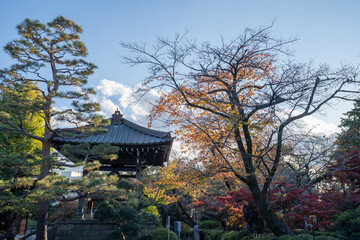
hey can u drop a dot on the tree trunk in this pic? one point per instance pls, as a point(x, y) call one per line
point(43, 206)
point(41, 226)
point(270, 218)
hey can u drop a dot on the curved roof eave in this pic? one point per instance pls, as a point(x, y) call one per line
point(121, 132)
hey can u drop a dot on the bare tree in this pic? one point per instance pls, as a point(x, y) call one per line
point(241, 99)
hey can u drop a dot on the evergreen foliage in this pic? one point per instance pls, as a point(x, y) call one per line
point(348, 225)
point(209, 224)
point(187, 234)
point(303, 237)
point(125, 216)
point(20, 161)
point(285, 237)
point(162, 234)
point(214, 235)
point(350, 129)
point(326, 238)
point(50, 64)
point(234, 235)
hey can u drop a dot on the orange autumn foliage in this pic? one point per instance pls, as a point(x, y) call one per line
point(208, 136)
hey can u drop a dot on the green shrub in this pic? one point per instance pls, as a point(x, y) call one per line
point(204, 232)
point(214, 235)
point(186, 233)
point(262, 238)
point(127, 218)
point(247, 238)
point(162, 234)
point(285, 237)
point(209, 224)
point(267, 238)
point(326, 238)
point(235, 235)
point(303, 237)
point(330, 234)
point(347, 225)
point(147, 237)
point(229, 235)
point(298, 231)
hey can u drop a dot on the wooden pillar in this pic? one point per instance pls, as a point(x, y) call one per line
point(89, 210)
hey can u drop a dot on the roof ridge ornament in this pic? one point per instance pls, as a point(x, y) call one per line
point(116, 117)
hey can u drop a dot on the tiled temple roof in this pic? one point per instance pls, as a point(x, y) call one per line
point(121, 132)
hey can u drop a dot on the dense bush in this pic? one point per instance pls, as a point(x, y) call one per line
point(348, 225)
point(235, 235)
point(270, 238)
point(319, 233)
point(261, 238)
point(187, 234)
point(230, 236)
point(303, 237)
point(247, 238)
point(147, 237)
point(285, 237)
point(325, 234)
point(214, 235)
point(298, 231)
point(209, 224)
point(204, 232)
point(126, 217)
point(162, 234)
point(326, 238)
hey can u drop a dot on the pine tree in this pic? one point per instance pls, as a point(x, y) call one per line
point(19, 158)
point(50, 61)
point(345, 183)
point(350, 128)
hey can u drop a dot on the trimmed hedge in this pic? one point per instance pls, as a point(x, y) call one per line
point(303, 237)
point(209, 224)
point(187, 234)
point(162, 234)
point(331, 234)
point(235, 235)
point(214, 235)
point(326, 238)
point(285, 237)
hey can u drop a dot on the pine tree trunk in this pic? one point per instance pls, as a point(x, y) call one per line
point(41, 226)
point(43, 206)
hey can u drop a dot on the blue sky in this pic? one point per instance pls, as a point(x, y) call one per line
point(328, 30)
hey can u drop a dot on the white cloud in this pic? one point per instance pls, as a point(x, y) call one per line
point(132, 105)
point(319, 126)
point(143, 106)
point(108, 106)
point(110, 88)
point(310, 124)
